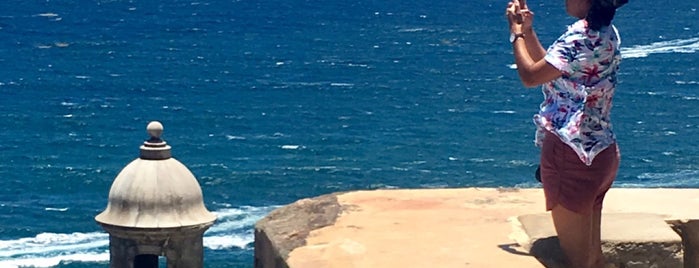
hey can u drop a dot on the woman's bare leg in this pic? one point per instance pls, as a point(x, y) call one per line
point(575, 232)
point(596, 249)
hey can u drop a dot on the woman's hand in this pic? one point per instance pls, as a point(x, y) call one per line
point(520, 19)
point(523, 4)
point(527, 20)
point(514, 17)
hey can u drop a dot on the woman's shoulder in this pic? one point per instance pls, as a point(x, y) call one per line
point(580, 31)
point(580, 26)
point(576, 30)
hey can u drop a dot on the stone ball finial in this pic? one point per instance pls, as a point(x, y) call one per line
point(155, 148)
point(155, 129)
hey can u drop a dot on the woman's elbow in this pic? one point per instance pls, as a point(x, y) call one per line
point(533, 76)
point(528, 80)
point(530, 83)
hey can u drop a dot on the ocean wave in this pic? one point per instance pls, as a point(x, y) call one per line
point(220, 242)
point(235, 219)
point(46, 243)
point(690, 45)
point(233, 229)
point(678, 179)
point(55, 260)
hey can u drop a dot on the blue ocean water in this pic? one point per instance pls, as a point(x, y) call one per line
point(268, 102)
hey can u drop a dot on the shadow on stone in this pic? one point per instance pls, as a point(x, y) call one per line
point(630, 240)
point(548, 251)
point(513, 248)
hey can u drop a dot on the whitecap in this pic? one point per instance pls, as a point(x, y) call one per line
point(682, 178)
point(232, 219)
point(56, 209)
point(341, 84)
point(411, 30)
point(40, 261)
point(520, 163)
point(481, 160)
point(690, 45)
point(399, 168)
point(231, 137)
point(227, 241)
point(233, 229)
point(48, 15)
point(53, 243)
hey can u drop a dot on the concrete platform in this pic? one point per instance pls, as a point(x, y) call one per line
point(472, 227)
point(628, 240)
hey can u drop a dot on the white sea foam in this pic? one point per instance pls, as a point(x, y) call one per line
point(219, 242)
point(56, 209)
point(412, 30)
point(51, 242)
point(48, 14)
point(678, 179)
point(341, 84)
point(233, 229)
point(55, 260)
point(232, 137)
point(230, 219)
point(690, 45)
point(481, 160)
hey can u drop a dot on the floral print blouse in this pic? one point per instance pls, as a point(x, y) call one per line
point(577, 105)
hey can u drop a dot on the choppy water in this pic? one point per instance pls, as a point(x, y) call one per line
point(268, 102)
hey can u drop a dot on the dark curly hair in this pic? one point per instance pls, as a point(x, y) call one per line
point(602, 12)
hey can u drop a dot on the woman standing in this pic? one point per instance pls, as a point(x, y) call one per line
point(579, 155)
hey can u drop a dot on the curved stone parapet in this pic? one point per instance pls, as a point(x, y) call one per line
point(287, 228)
point(470, 227)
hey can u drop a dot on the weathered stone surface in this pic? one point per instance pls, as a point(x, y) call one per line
point(628, 240)
point(406, 228)
point(471, 227)
point(689, 230)
point(286, 228)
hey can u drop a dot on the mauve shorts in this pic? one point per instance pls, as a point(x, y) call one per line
point(569, 182)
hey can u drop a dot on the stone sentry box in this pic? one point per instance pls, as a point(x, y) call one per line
point(155, 208)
